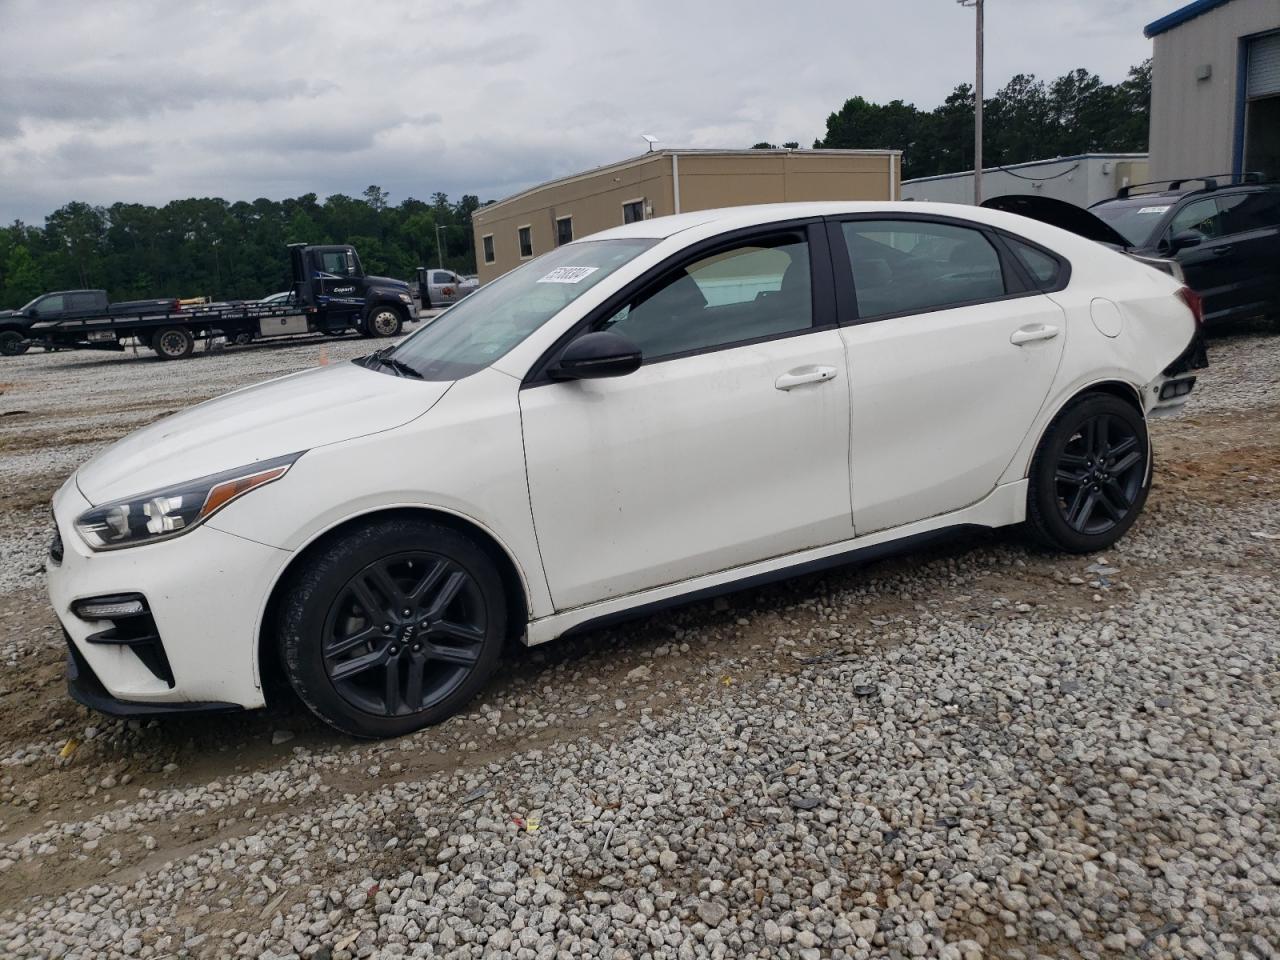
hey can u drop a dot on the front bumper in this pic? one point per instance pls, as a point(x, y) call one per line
point(205, 591)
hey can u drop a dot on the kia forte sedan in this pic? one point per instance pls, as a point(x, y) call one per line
point(663, 411)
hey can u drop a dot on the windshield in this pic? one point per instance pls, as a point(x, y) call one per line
point(486, 325)
point(1133, 219)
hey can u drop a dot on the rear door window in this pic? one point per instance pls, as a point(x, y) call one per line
point(912, 266)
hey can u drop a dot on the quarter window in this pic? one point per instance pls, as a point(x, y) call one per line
point(633, 211)
point(749, 292)
point(487, 243)
point(525, 235)
point(909, 266)
point(1042, 267)
point(564, 231)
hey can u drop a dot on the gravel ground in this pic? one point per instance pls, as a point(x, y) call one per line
point(977, 751)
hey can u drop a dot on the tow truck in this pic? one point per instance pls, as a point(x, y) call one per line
point(332, 296)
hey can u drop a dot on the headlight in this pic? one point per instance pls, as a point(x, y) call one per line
point(173, 511)
point(406, 298)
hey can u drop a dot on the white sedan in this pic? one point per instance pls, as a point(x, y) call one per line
point(668, 410)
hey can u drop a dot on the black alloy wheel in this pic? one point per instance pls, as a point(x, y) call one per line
point(1100, 472)
point(392, 626)
point(1090, 476)
point(403, 633)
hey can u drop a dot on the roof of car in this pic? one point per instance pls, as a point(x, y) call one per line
point(1173, 195)
point(731, 218)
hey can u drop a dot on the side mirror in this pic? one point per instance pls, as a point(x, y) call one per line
point(1183, 239)
point(594, 355)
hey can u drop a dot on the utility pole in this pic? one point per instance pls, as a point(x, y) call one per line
point(439, 246)
point(977, 101)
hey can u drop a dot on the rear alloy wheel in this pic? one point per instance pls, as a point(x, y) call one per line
point(384, 322)
point(392, 628)
point(1090, 476)
point(13, 344)
point(173, 343)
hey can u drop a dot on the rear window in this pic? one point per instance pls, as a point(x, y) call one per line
point(1135, 220)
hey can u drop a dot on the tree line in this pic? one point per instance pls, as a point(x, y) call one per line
point(226, 250)
point(236, 250)
point(1027, 119)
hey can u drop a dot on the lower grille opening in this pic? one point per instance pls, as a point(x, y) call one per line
point(137, 631)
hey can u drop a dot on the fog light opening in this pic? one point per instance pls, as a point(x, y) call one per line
point(109, 608)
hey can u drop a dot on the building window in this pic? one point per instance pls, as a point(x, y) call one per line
point(526, 242)
point(633, 210)
point(487, 243)
point(564, 230)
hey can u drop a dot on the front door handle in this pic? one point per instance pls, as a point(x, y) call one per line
point(802, 375)
point(1223, 250)
point(1035, 331)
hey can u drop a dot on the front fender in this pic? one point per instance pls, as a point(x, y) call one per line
point(464, 458)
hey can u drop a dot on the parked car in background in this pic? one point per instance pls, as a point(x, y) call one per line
point(15, 325)
point(1225, 238)
point(440, 288)
point(283, 298)
point(670, 409)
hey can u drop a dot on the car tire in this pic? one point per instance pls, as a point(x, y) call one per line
point(13, 344)
point(1090, 475)
point(173, 343)
point(393, 627)
point(384, 321)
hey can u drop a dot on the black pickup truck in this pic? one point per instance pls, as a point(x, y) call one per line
point(331, 295)
point(15, 325)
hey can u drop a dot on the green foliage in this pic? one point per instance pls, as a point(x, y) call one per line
point(1027, 119)
point(226, 250)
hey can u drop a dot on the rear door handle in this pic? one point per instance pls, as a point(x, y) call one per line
point(802, 375)
point(1038, 331)
point(1223, 250)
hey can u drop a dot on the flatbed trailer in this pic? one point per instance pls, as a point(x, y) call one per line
point(332, 296)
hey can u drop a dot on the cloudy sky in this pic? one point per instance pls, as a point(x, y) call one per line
point(155, 100)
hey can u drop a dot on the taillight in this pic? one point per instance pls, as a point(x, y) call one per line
point(1194, 301)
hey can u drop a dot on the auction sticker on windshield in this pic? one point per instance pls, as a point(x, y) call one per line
point(1154, 209)
point(568, 274)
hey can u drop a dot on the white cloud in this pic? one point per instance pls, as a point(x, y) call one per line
point(150, 100)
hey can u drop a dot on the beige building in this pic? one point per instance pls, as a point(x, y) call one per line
point(663, 182)
point(1215, 89)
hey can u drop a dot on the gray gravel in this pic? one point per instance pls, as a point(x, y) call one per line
point(982, 751)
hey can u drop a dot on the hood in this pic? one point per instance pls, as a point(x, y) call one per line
point(9, 314)
point(298, 412)
point(387, 282)
point(1060, 214)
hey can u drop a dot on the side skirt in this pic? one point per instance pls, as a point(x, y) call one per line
point(1004, 506)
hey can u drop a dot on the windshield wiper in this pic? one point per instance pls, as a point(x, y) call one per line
point(403, 369)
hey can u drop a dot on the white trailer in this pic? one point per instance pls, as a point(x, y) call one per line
point(1082, 180)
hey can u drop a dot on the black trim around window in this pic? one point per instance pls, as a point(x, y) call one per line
point(824, 315)
point(1018, 280)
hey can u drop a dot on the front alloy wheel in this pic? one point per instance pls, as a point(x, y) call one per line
point(1090, 476)
point(403, 633)
point(392, 627)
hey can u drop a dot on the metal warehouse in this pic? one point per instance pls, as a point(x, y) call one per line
point(1082, 180)
point(663, 182)
point(1215, 89)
